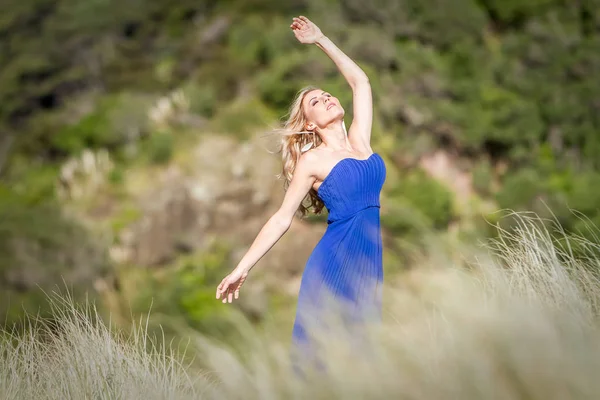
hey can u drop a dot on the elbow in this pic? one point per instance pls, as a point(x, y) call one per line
point(362, 80)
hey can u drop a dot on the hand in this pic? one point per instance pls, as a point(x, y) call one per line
point(231, 284)
point(305, 31)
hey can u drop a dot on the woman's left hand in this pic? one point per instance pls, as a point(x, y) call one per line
point(306, 32)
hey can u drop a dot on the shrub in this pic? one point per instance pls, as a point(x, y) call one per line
point(117, 120)
point(483, 175)
point(159, 147)
point(242, 118)
point(431, 201)
point(520, 189)
point(40, 247)
point(185, 290)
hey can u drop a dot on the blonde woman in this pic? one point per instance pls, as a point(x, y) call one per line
point(327, 166)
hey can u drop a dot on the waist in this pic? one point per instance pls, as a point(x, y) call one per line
point(333, 217)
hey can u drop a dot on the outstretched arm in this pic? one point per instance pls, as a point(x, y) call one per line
point(359, 133)
point(271, 232)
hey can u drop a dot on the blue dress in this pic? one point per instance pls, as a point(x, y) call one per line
point(346, 265)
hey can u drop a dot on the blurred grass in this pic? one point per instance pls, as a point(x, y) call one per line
point(518, 320)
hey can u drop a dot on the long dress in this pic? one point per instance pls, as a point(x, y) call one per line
point(345, 269)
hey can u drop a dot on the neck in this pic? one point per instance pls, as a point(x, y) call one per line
point(334, 136)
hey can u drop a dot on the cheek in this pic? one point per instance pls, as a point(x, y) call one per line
point(309, 112)
point(314, 114)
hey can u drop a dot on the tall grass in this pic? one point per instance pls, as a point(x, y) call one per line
point(520, 321)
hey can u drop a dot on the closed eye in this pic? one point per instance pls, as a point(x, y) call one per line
point(313, 102)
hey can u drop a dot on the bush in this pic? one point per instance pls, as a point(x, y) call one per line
point(117, 120)
point(185, 290)
point(491, 114)
point(516, 11)
point(483, 175)
point(289, 73)
point(242, 118)
point(415, 204)
point(159, 147)
point(520, 189)
point(40, 247)
point(257, 39)
point(203, 98)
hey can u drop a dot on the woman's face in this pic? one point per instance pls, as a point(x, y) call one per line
point(321, 109)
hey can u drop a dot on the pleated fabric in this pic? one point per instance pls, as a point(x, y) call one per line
point(344, 273)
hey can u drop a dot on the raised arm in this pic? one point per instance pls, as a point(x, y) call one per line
point(359, 133)
point(272, 231)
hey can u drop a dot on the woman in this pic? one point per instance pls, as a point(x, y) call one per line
point(337, 170)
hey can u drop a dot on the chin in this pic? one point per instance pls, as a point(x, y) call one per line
point(339, 115)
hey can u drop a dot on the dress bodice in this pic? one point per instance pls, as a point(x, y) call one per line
point(352, 185)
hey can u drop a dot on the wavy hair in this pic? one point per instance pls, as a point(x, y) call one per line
point(295, 140)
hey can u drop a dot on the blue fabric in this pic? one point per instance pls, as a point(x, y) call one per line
point(346, 264)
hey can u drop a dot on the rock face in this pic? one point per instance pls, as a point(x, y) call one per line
point(226, 190)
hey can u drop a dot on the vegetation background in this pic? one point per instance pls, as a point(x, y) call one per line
point(135, 164)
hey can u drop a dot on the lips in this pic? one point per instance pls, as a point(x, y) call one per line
point(331, 105)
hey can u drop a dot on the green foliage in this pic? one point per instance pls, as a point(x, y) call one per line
point(585, 199)
point(514, 11)
point(242, 118)
point(289, 73)
point(417, 202)
point(159, 147)
point(203, 98)
point(33, 184)
point(198, 280)
point(492, 114)
point(40, 248)
point(520, 189)
point(125, 217)
point(442, 22)
point(400, 218)
point(186, 289)
point(116, 176)
point(258, 39)
point(512, 82)
point(117, 120)
point(483, 175)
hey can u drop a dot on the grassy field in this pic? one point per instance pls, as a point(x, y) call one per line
point(516, 320)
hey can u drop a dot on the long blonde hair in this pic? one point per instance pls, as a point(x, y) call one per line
point(295, 140)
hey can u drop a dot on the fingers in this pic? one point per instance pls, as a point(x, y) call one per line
point(299, 22)
point(223, 287)
point(229, 288)
point(230, 295)
point(227, 292)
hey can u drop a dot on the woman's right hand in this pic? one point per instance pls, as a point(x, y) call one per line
point(229, 288)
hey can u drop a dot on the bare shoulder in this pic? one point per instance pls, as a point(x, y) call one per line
point(308, 163)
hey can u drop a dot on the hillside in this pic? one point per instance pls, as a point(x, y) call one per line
point(134, 154)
